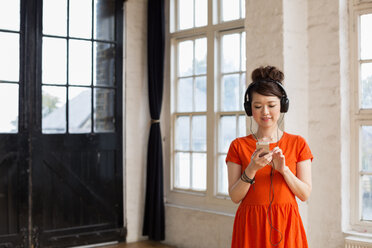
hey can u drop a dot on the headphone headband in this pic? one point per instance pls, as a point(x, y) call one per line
point(284, 101)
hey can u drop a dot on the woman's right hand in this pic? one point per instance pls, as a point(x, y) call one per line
point(258, 160)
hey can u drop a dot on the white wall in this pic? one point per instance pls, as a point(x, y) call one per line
point(191, 228)
point(296, 80)
point(137, 114)
point(327, 110)
point(264, 30)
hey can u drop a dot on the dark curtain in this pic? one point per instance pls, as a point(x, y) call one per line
point(154, 219)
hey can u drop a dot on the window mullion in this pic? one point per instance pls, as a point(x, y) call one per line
point(190, 149)
point(211, 123)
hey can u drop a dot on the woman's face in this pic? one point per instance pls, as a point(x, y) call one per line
point(265, 110)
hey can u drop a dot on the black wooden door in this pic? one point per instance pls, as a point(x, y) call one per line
point(61, 167)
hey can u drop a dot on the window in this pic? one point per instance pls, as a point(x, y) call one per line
point(232, 86)
point(9, 65)
point(190, 117)
point(207, 81)
point(361, 181)
point(78, 66)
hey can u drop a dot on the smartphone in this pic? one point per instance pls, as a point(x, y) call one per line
point(265, 146)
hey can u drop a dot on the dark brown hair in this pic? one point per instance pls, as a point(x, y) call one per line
point(265, 76)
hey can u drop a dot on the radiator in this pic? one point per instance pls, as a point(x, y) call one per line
point(356, 242)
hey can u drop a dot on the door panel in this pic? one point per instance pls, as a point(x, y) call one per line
point(13, 194)
point(81, 178)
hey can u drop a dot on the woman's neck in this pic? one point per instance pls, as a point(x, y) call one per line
point(269, 134)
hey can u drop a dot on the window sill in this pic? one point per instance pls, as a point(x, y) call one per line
point(200, 202)
point(200, 209)
point(357, 238)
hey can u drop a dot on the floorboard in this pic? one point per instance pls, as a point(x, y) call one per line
point(141, 244)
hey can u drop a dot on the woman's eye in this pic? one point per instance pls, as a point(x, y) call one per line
point(272, 106)
point(257, 107)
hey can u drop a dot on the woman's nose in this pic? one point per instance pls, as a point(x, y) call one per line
point(265, 110)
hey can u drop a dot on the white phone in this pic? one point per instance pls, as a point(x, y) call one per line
point(265, 146)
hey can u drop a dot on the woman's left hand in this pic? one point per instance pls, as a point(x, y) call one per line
point(279, 160)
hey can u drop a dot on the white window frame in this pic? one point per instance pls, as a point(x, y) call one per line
point(359, 117)
point(208, 200)
point(219, 112)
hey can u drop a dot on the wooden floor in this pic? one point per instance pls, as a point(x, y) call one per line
point(141, 244)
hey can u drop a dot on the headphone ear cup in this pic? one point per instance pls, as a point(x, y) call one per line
point(248, 108)
point(284, 105)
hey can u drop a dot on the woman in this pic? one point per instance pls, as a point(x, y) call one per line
point(266, 183)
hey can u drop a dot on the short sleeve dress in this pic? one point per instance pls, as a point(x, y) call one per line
point(251, 226)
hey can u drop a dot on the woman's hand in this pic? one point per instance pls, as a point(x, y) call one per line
point(279, 160)
point(258, 160)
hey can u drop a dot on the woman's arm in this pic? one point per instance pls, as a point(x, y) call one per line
point(237, 188)
point(300, 185)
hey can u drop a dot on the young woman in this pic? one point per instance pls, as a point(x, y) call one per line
point(266, 183)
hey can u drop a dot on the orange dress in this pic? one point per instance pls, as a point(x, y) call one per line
point(251, 226)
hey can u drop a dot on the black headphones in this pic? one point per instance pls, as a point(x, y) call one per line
point(284, 101)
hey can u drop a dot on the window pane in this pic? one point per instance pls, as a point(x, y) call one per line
point(9, 57)
point(54, 61)
point(53, 109)
point(230, 93)
point(367, 198)
point(200, 97)
point(227, 132)
point(230, 10)
point(201, 13)
point(199, 133)
point(366, 36)
point(185, 14)
point(9, 108)
point(80, 62)
point(184, 95)
point(366, 148)
point(200, 56)
point(9, 14)
point(242, 126)
point(366, 76)
point(223, 184)
point(199, 171)
point(81, 18)
point(242, 53)
point(104, 64)
point(79, 115)
point(104, 110)
point(231, 53)
point(185, 58)
point(182, 170)
point(182, 141)
point(104, 19)
point(242, 8)
point(55, 17)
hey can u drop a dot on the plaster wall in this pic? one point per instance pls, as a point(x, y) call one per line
point(264, 34)
point(192, 228)
point(325, 115)
point(296, 74)
point(137, 115)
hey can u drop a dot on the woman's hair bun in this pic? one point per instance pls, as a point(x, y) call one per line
point(267, 73)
